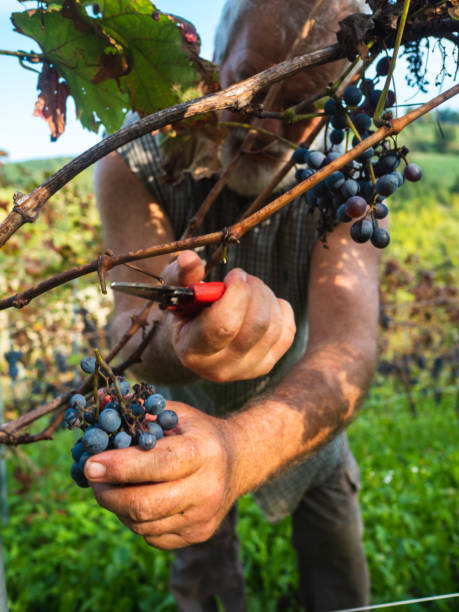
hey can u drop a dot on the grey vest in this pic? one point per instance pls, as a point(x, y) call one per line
point(279, 252)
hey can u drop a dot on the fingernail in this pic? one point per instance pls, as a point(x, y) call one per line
point(95, 470)
point(243, 275)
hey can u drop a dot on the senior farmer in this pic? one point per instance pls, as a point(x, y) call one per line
point(267, 378)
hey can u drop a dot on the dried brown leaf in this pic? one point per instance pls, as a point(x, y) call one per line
point(51, 103)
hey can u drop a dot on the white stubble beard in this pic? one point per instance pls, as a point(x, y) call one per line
point(252, 175)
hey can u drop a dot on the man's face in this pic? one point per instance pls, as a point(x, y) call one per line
point(259, 43)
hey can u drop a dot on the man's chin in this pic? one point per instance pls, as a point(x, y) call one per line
point(255, 172)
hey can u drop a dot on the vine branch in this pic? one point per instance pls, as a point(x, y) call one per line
point(236, 231)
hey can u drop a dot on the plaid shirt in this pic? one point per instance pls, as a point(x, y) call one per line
point(279, 252)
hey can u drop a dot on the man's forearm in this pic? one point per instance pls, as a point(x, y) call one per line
point(316, 400)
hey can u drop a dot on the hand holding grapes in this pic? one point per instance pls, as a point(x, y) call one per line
point(240, 336)
point(178, 493)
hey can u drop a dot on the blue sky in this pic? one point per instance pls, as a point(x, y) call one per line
point(26, 137)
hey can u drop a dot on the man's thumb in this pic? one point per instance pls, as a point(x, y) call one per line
point(188, 268)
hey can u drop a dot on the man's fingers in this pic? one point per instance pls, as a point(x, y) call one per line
point(172, 458)
point(144, 502)
point(215, 327)
point(188, 268)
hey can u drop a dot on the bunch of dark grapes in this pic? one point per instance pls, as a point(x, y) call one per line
point(117, 417)
point(357, 192)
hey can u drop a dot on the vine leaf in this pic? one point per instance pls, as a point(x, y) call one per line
point(51, 103)
point(76, 55)
point(127, 55)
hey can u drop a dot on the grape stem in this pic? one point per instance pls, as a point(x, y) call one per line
point(350, 123)
point(112, 377)
point(382, 98)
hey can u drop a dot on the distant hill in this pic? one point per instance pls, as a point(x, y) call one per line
point(26, 175)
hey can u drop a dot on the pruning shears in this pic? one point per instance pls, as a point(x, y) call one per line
point(184, 301)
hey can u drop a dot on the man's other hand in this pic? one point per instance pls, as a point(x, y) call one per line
point(178, 493)
point(241, 336)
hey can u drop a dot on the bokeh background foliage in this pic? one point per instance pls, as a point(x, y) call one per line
point(63, 552)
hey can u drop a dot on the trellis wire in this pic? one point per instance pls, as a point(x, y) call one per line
point(399, 603)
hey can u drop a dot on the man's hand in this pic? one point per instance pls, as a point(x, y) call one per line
point(178, 493)
point(241, 336)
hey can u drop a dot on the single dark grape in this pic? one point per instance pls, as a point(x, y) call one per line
point(361, 230)
point(331, 107)
point(335, 180)
point(78, 476)
point(78, 401)
point(349, 188)
point(338, 121)
point(72, 418)
point(299, 155)
point(398, 176)
point(366, 86)
point(155, 403)
point(373, 97)
point(137, 410)
point(366, 190)
point(124, 387)
point(412, 173)
point(355, 206)
point(109, 420)
point(352, 95)
point(390, 98)
point(381, 210)
point(366, 155)
point(332, 156)
point(122, 440)
point(362, 122)
point(88, 365)
point(168, 419)
point(388, 163)
point(315, 159)
point(299, 175)
point(147, 440)
point(77, 451)
point(382, 67)
point(95, 440)
point(386, 185)
point(380, 238)
point(341, 214)
point(156, 430)
point(336, 136)
point(82, 460)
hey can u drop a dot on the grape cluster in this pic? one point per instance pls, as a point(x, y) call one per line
point(116, 417)
point(357, 192)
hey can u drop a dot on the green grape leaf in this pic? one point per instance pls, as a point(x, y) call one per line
point(77, 52)
point(125, 54)
point(161, 72)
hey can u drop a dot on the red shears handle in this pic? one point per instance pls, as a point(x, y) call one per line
point(204, 294)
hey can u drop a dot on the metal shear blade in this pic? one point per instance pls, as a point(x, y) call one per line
point(165, 295)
